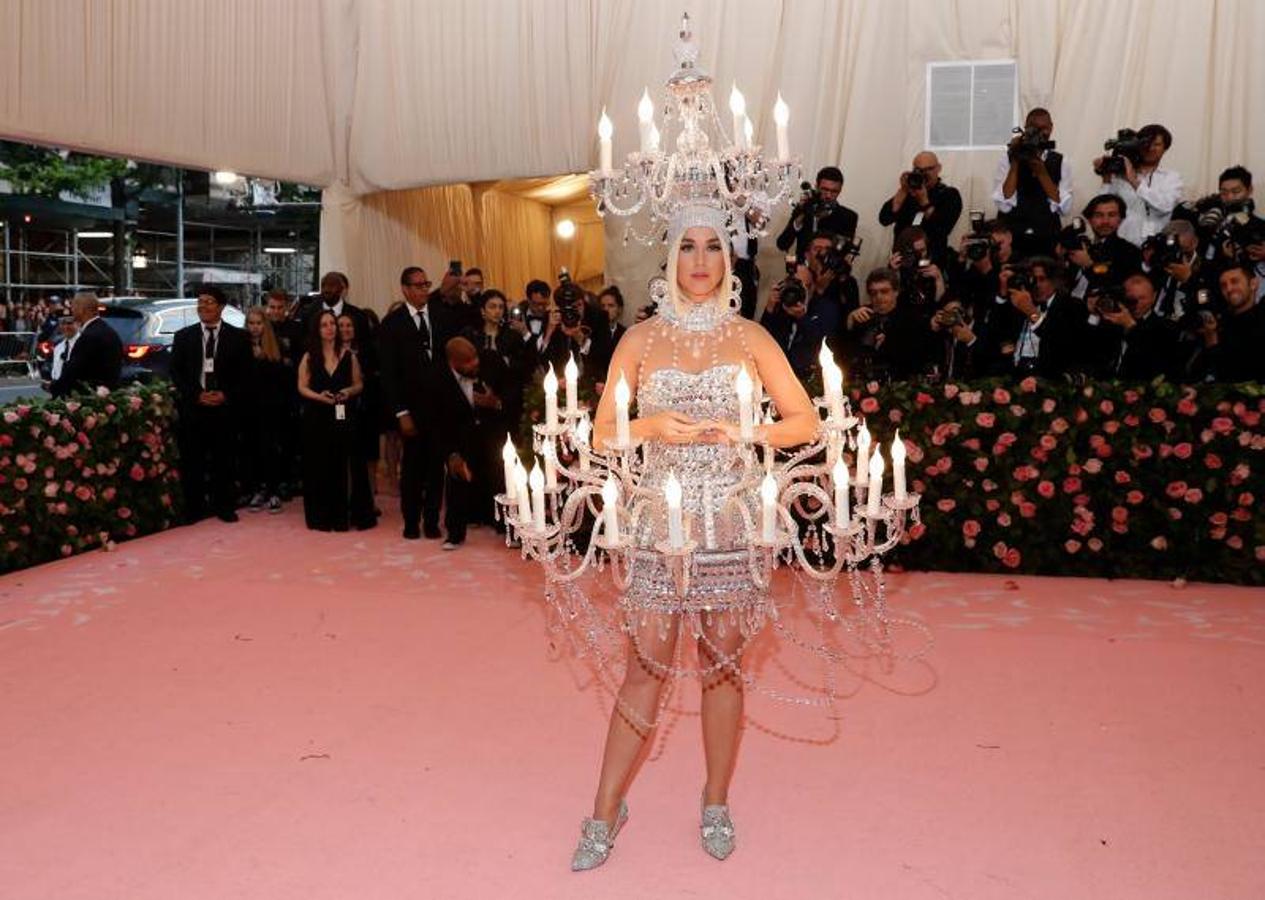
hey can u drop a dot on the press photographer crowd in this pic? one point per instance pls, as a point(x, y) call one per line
point(1135, 282)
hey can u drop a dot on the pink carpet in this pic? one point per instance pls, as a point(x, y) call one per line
point(256, 711)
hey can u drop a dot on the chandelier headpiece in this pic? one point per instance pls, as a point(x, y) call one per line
point(702, 168)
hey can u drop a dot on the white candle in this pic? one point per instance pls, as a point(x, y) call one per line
point(623, 395)
point(738, 106)
point(572, 374)
point(583, 432)
point(509, 456)
point(746, 415)
point(876, 485)
point(782, 116)
point(645, 118)
point(551, 399)
point(523, 495)
point(843, 511)
point(748, 132)
point(832, 379)
point(537, 480)
point(654, 138)
point(676, 527)
point(610, 509)
point(898, 467)
point(863, 454)
point(768, 507)
point(604, 132)
point(551, 465)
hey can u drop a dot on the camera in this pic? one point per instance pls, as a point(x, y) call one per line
point(1110, 297)
point(1074, 236)
point(978, 244)
point(1165, 250)
point(1021, 279)
point(915, 180)
point(1031, 143)
point(570, 300)
point(839, 256)
point(1241, 228)
point(811, 203)
point(791, 291)
point(950, 317)
point(1125, 145)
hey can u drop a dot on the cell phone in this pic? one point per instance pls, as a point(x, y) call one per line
point(516, 313)
point(454, 266)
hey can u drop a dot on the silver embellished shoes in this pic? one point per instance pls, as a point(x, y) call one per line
point(597, 839)
point(717, 831)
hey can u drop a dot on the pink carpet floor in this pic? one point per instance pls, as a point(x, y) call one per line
point(256, 711)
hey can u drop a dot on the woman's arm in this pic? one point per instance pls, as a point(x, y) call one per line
point(672, 427)
point(799, 423)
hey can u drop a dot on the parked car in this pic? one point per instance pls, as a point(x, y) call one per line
point(146, 327)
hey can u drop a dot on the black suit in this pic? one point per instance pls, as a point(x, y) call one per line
point(1062, 339)
point(209, 435)
point(450, 320)
point(406, 356)
point(95, 359)
point(840, 221)
point(1149, 349)
point(466, 432)
point(605, 339)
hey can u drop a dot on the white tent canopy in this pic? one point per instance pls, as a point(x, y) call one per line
point(375, 95)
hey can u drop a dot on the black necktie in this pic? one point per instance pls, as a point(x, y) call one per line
point(424, 330)
point(210, 344)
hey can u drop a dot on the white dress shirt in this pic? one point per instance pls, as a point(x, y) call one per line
point(1149, 206)
point(1006, 204)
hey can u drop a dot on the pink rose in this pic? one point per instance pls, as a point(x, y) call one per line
point(1219, 519)
point(1094, 544)
point(1045, 489)
point(1006, 438)
point(1156, 415)
point(1081, 416)
point(20, 484)
point(1234, 542)
point(999, 549)
point(1176, 489)
point(108, 494)
point(1123, 477)
point(50, 489)
point(1187, 407)
point(1119, 514)
point(895, 415)
point(971, 528)
point(946, 505)
point(1071, 545)
point(1071, 485)
point(1093, 466)
point(985, 420)
point(1027, 509)
point(869, 406)
point(1059, 425)
point(1111, 426)
point(1194, 495)
point(1260, 553)
point(1222, 425)
point(971, 444)
point(124, 512)
point(992, 505)
point(1183, 450)
point(981, 463)
point(1212, 461)
point(1174, 513)
point(1159, 543)
point(1003, 519)
point(1048, 442)
point(83, 492)
point(950, 391)
point(917, 530)
point(1001, 395)
point(1130, 396)
point(1028, 385)
point(1143, 451)
point(1134, 497)
point(944, 464)
point(988, 485)
point(1048, 405)
point(1106, 407)
point(872, 387)
point(1246, 499)
point(137, 472)
point(1082, 526)
point(1131, 420)
point(922, 398)
point(1012, 558)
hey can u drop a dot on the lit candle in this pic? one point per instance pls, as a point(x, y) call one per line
point(768, 511)
point(610, 509)
point(583, 432)
point(537, 480)
point(622, 398)
point(524, 496)
point(676, 527)
point(782, 116)
point(654, 138)
point(551, 465)
point(509, 456)
point(876, 485)
point(746, 417)
point(572, 374)
point(604, 132)
point(748, 132)
point(738, 106)
point(832, 379)
point(863, 454)
point(645, 118)
point(898, 467)
point(551, 399)
point(843, 512)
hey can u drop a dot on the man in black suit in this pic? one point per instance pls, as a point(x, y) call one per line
point(817, 211)
point(210, 367)
point(1032, 186)
point(406, 351)
point(1101, 258)
point(451, 310)
point(1145, 344)
point(469, 411)
point(96, 356)
point(1052, 337)
point(606, 338)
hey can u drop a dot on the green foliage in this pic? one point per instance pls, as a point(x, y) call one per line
point(47, 173)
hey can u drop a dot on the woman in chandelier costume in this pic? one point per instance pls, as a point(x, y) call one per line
point(681, 366)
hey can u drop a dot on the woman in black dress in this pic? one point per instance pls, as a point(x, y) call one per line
point(335, 481)
point(265, 414)
point(369, 404)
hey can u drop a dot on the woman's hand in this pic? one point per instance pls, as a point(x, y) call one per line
point(671, 428)
point(718, 432)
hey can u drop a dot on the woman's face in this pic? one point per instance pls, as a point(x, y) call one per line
point(700, 264)
point(329, 327)
point(346, 329)
point(494, 311)
point(255, 324)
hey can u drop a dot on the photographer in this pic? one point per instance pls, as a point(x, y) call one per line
point(1132, 172)
point(1097, 254)
point(832, 291)
point(570, 327)
point(530, 317)
point(953, 357)
point(1052, 322)
point(786, 317)
point(923, 200)
point(1235, 193)
point(450, 309)
point(1033, 186)
point(885, 339)
point(922, 283)
point(818, 211)
point(607, 338)
point(1234, 344)
point(1172, 260)
point(983, 253)
point(1140, 344)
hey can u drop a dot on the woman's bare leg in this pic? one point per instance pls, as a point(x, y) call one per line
point(721, 710)
point(634, 715)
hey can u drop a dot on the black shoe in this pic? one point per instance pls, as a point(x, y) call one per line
point(432, 532)
point(227, 516)
point(412, 533)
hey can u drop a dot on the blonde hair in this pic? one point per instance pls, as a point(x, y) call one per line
point(268, 338)
point(724, 291)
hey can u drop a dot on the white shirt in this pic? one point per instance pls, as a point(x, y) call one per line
point(420, 315)
point(1149, 206)
point(206, 335)
point(61, 353)
point(467, 385)
point(336, 309)
point(1005, 204)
